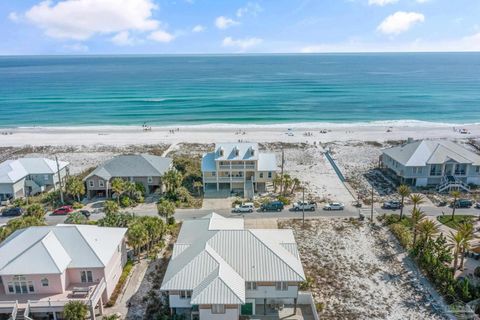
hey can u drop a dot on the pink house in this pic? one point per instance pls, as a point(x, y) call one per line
point(43, 268)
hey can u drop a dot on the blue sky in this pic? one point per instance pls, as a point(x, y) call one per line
point(207, 26)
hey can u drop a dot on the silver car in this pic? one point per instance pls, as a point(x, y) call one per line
point(334, 206)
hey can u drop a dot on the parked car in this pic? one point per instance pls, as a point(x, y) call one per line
point(63, 210)
point(5, 202)
point(12, 212)
point(307, 206)
point(85, 213)
point(334, 206)
point(272, 206)
point(392, 205)
point(462, 203)
point(246, 207)
point(477, 205)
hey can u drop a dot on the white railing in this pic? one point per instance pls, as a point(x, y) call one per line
point(26, 313)
point(307, 298)
point(98, 292)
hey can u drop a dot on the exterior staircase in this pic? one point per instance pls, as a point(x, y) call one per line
point(248, 190)
point(449, 183)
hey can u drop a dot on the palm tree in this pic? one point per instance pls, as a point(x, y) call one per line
point(456, 243)
point(295, 184)
point(403, 191)
point(36, 210)
point(427, 230)
point(467, 232)
point(417, 199)
point(118, 187)
point(110, 207)
point(417, 216)
point(198, 185)
point(137, 236)
point(287, 182)
point(75, 187)
point(277, 181)
point(75, 310)
point(455, 194)
point(154, 227)
point(172, 180)
point(166, 209)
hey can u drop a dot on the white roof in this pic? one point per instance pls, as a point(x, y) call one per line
point(51, 250)
point(12, 171)
point(215, 256)
point(267, 162)
point(423, 152)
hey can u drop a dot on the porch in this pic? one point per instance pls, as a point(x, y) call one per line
point(287, 312)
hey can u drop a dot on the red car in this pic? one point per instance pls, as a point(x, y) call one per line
point(63, 210)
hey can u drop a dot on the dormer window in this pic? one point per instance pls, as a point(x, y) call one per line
point(252, 152)
point(237, 152)
point(220, 151)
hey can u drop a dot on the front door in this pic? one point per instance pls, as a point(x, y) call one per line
point(449, 169)
point(247, 309)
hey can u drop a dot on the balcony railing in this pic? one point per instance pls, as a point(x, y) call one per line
point(237, 167)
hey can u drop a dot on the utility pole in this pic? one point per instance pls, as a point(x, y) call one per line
point(281, 174)
point(303, 206)
point(371, 211)
point(59, 180)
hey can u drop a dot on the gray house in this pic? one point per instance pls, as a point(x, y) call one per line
point(29, 176)
point(143, 168)
point(442, 164)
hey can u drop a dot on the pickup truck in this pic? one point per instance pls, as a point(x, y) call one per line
point(307, 206)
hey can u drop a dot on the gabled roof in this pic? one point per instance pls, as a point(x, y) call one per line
point(12, 171)
point(134, 165)
point(230, 151)
point(51, 250)
point(215, 256)
point(423, 152)
point(267, 162)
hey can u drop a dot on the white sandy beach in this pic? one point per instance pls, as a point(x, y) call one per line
point(129, 135)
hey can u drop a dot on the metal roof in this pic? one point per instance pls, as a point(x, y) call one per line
point(267, 162)
point(52, 249)
point(215, 256)
point(230, 151)
point(12, 171)
point(139, 165)
point(424, 152)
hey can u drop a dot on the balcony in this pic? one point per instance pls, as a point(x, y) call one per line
point(237, 167)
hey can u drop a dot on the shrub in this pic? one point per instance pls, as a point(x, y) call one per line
point(165, 208)
point(75, 310)
point(36, 210)
point(121, 282)
point(140, 188)
point(77, 205)
point(402, 233)
point(284, 200)
point(110, 207)
point(126, 202)
point(19, 202)
point(477, 272)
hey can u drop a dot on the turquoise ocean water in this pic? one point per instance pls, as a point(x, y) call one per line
point(243, 89)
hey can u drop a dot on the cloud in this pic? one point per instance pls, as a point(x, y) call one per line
point(76, 47)
point(242, 44)
point(423, 1)
point(13, 16)
point(400, 22)
point(82, 19)
point(251, 8)
point(161, 36)
point(198, 28)
point(225, 22)
point(382, 2)
point(123, 39)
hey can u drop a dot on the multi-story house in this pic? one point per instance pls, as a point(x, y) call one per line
point(221, 270)
point(439, 163)
point(238, 167)
point(29, 176)
point(142, 168)
point(43, 268)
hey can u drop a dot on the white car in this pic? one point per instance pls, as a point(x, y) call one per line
point(307, 206)
point(246, 207)
point(334, 206)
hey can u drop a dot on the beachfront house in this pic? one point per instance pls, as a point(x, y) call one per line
point(139, 168)
point(28, 176)
point(238, 167)
point(438, 163)
point(221, 270)
point(43, 268)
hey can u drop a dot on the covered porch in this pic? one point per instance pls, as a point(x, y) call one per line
point(287, 312)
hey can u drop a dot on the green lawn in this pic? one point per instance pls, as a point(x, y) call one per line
point(459, 219)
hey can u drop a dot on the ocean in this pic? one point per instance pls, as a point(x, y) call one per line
point(239, 89)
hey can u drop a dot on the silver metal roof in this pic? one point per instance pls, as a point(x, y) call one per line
point(12, 171)
point(424, 152)
point(215, 256)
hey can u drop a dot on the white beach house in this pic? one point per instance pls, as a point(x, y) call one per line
point(221, 270)
point(438, 163)
point(238, 167)
point(43, 268)
point(29, 176)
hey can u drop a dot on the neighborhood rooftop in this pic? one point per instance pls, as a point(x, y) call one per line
point(15, 170)
point(142, 165)
point(424, 152)
point(52, 249)
point(214, 257)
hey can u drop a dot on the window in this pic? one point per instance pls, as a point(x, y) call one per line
point(477, 169)
point(251, 285)
point(270, 174)
point(10, 288)
point(436, 170)
point(461, 169)
point(91, 183)
point(185, 294)
point(218, 308)
point(281, 286)
point(101, 183)
point(44, 282)
point(261, 174)
point(86, 276)
point(417, 170)
point(150, 180)
point(214, 174)
point(30, 287)
point(45, 177)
